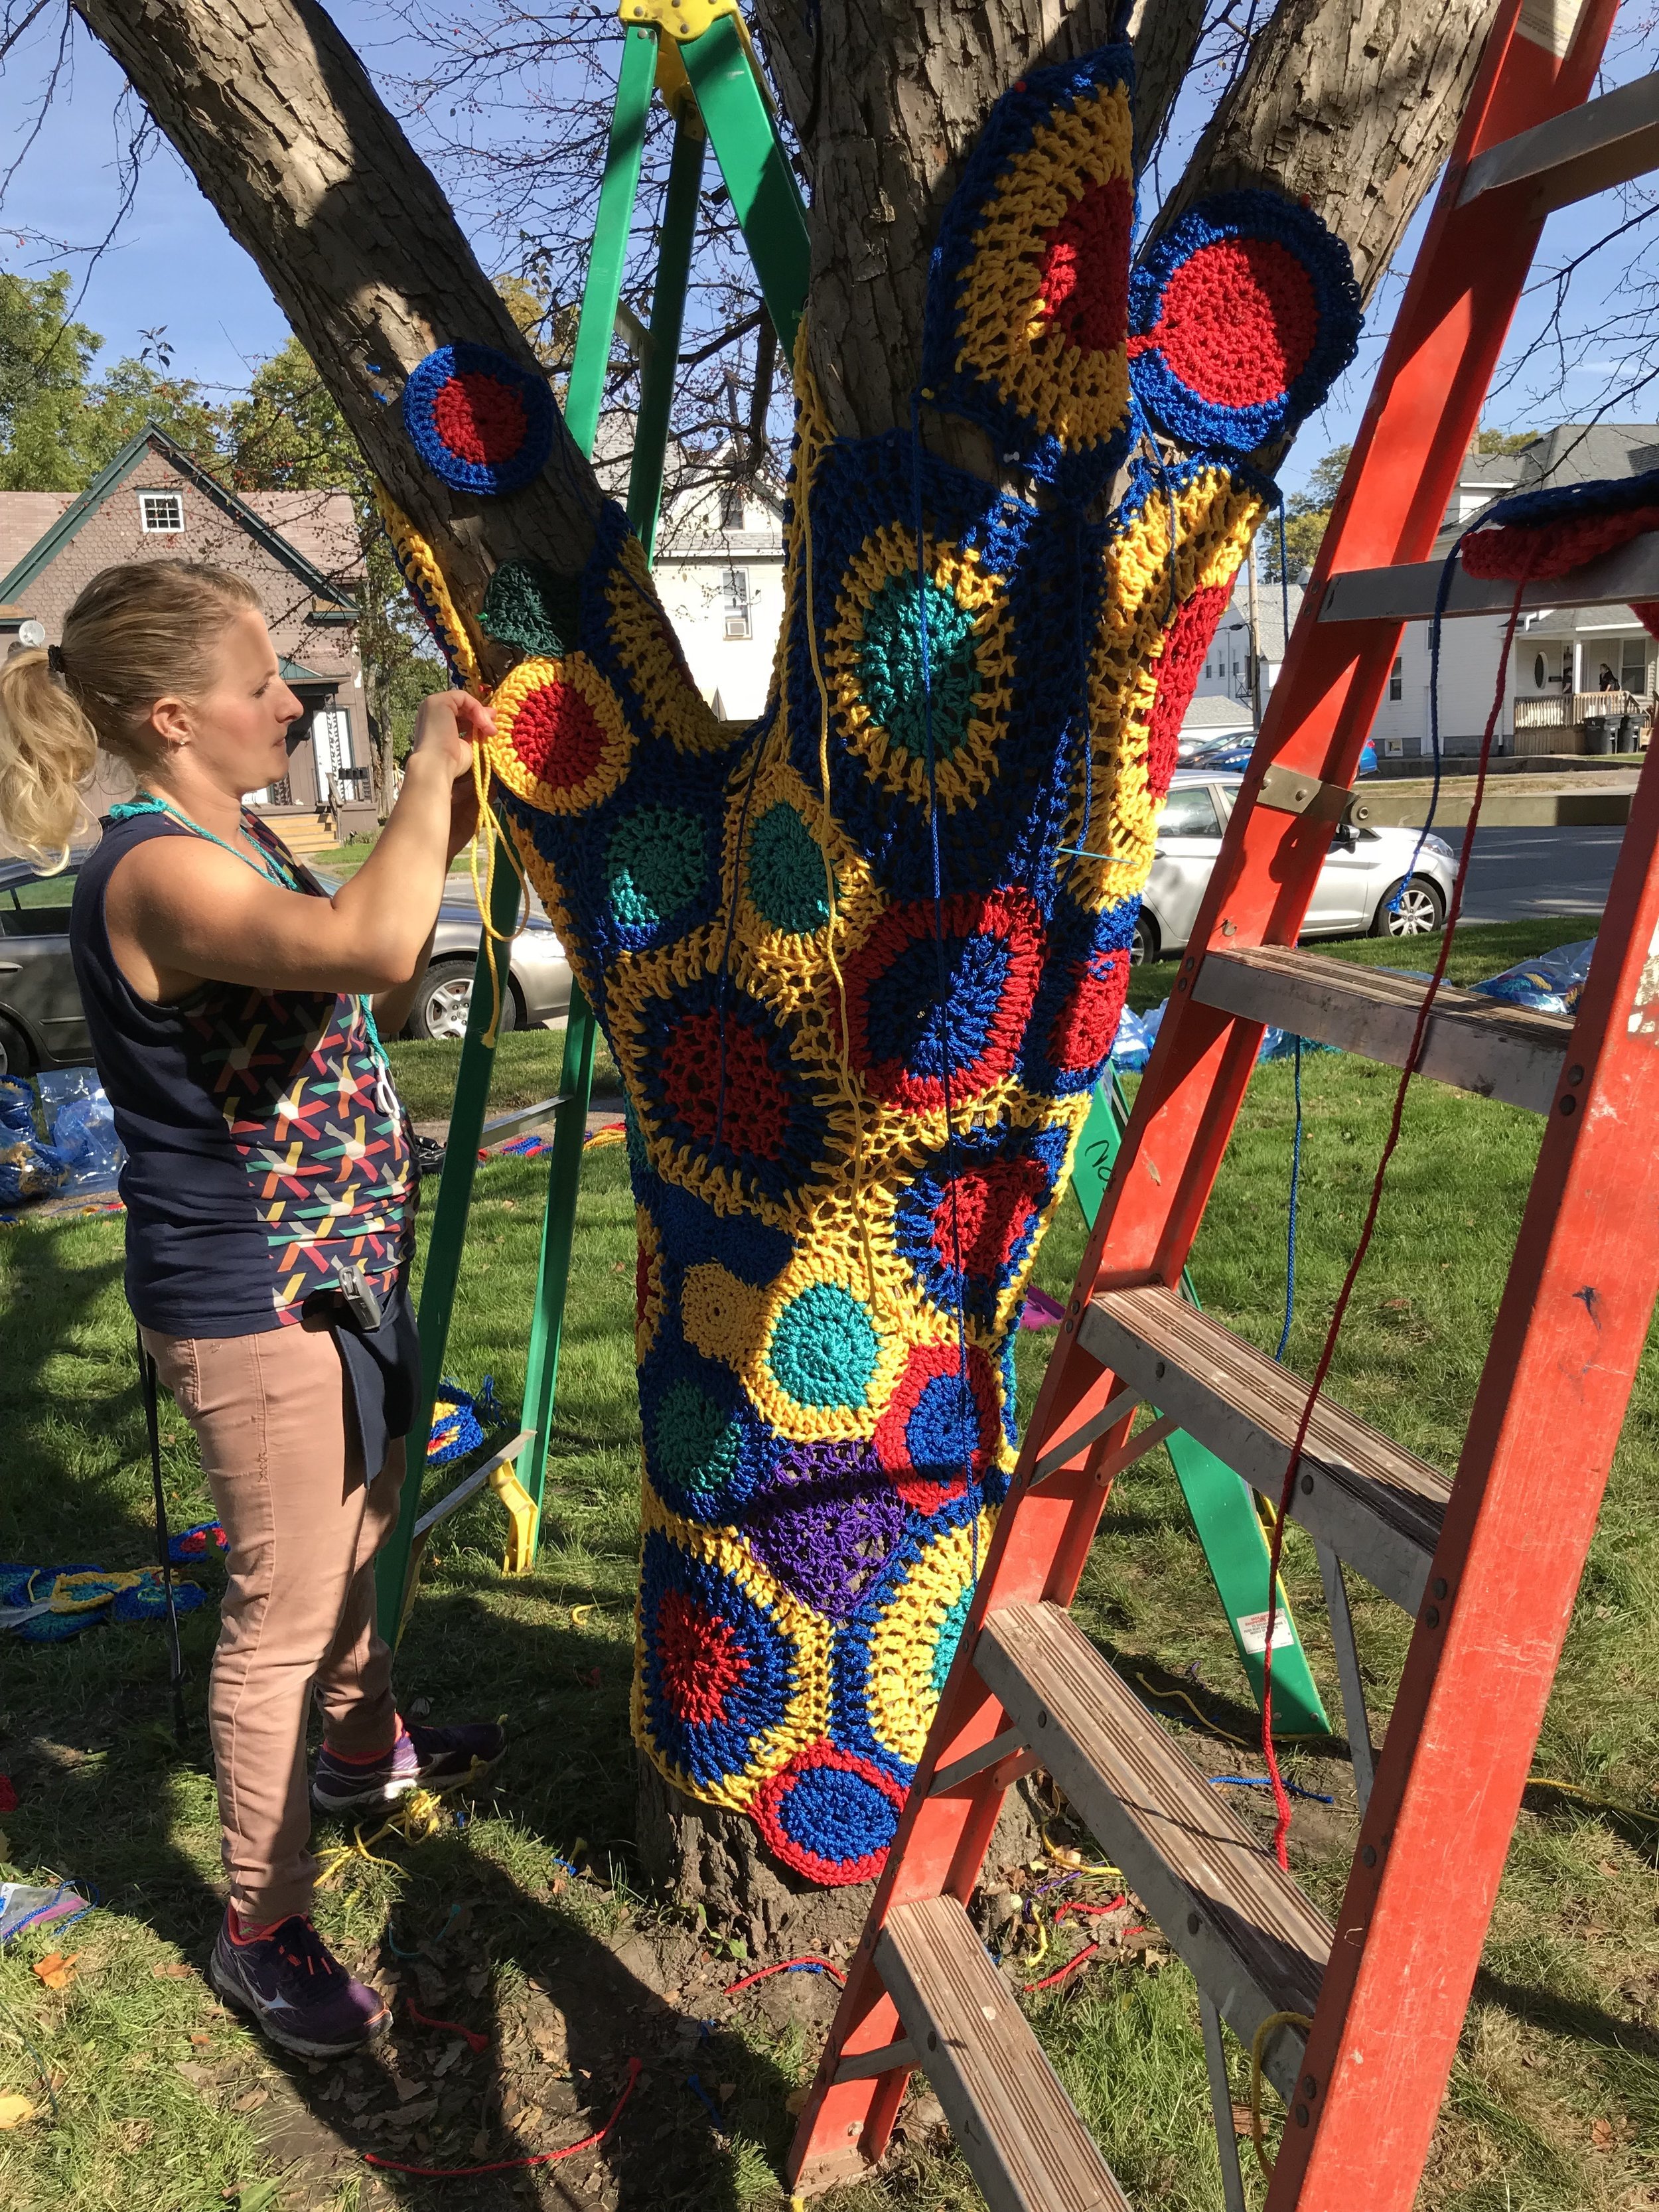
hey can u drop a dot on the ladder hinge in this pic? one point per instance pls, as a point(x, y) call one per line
point(679, 19)
point(1283, 788)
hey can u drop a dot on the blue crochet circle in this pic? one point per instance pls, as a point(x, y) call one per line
point(478, 420)
point(717, 1669)
point(978, 1201)
point(703, 1444)
point(1231, 320)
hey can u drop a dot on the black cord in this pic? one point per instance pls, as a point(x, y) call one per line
point(152, 1422)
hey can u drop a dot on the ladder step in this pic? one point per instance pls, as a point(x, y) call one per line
point(1586, 149)
point(1407, 591)
point(1376, 1504)
point(1254, 1943)
point(1508, 1053)
point(1014, 2124)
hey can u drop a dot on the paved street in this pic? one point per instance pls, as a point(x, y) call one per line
point(1517, 874)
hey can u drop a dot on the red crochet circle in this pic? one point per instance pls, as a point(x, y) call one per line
point(557, 735)
point(754, 1117)
point(1010, 914)
point(700, 1660)
point(479, 418)
point(1087, 1021)
point(1184, 648)
point(1237, 321)
point(984, 1213)
point(1084, 284)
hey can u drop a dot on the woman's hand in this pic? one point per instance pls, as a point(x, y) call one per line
point(449, 725)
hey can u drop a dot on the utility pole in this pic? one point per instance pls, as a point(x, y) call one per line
point(1256, 639)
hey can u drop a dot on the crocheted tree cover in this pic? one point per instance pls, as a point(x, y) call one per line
point(861, 964)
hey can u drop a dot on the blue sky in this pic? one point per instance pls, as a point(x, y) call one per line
point(174, 264)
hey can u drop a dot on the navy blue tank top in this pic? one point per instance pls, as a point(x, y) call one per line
point(266, 1148)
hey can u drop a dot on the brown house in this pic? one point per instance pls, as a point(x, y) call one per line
point(299, 549)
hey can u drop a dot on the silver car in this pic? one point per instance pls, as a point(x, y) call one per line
point(1364, 871)
point(42, 1025)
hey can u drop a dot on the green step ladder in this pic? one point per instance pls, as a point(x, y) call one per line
point(698, 56)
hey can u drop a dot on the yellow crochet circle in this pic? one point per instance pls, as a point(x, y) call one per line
point(1215, 518)
point(963, 775)
point(806, 1715)
point(649, 652)
point(1079, 396)
point(649, 1318)
point(906, 1665)
point(532, 692)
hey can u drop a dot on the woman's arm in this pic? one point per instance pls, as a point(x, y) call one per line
point(391, 1007)
point(180, 914)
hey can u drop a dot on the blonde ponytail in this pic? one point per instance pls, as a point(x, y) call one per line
point(134, 636)
point(48, 751)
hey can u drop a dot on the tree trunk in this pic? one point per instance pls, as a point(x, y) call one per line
point(1349, 103)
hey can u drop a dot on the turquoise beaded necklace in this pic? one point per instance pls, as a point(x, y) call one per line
point(275, 870)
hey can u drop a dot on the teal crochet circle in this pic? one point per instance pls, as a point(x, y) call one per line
point(697, 1441)
point(824, 1347)
point(891, 674)
point(950, 1635)
point(786, 872)
point(654, 865)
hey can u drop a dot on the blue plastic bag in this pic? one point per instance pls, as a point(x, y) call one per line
point(1131, 1048)
point(28, 1169)
point(1551, 984)
point(83, 1123)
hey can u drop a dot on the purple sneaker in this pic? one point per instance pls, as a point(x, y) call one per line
point(435, 1758)
point(301, 1997)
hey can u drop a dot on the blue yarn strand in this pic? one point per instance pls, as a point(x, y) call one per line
point(1290, 1241)
point(964, 1393)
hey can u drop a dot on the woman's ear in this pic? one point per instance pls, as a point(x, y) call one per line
point(169, 717)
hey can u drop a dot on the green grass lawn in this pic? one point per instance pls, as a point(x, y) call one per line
point(163, 2101)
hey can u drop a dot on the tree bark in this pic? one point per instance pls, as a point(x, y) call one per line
point(276, 118)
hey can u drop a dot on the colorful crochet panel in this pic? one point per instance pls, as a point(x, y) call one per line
point(861, 964)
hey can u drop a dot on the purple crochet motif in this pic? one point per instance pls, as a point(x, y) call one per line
point(827, 1527)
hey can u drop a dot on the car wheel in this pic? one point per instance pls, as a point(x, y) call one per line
point(1143, 946)
point(441, 1003)
point(1421, 911)
point(16, 1058)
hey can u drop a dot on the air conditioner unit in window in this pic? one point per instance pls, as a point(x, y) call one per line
point(736, 625)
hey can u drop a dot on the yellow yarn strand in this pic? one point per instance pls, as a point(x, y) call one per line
point(494, 839)
point(415, 1818)
point(843, 1072)
point(1274, 2020)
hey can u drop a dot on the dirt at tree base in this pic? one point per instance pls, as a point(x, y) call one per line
point(693, 1854)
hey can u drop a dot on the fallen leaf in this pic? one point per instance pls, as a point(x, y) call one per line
point(481, 2142)
point(528, 2121)
point(251, 2101)
point(405, 2088)
point(199, 2035)
point(796, 2101)
point(1243, 2121)
point(5, 1846)
point(1606, 1866)
point(198, 2076)
point(1601, 2135)
point(176, 1971)
point(55, 1970)
point(14, 2111)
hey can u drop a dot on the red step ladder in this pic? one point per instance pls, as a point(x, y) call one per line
point(1487, 1563)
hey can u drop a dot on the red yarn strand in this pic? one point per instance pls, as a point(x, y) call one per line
point(785, 1966)
point(1281, 1800)
point(512, 2165)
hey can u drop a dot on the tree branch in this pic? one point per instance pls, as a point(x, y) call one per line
point(276, 117)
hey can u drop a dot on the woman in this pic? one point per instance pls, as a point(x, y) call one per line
point(235, 1012)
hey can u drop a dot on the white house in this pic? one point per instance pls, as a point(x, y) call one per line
point(719, 570)
point(1565, 664)
point(1227, 664)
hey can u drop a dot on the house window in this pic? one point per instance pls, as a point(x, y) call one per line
point(1397, 681)
point(160, 511)
point(734, 601)
point(730, 507)
point(1634, 666)
point(1540, 673)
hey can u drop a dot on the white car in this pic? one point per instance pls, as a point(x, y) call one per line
point(1362, 874)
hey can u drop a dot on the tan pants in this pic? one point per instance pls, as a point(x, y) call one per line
point(278, 1434)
